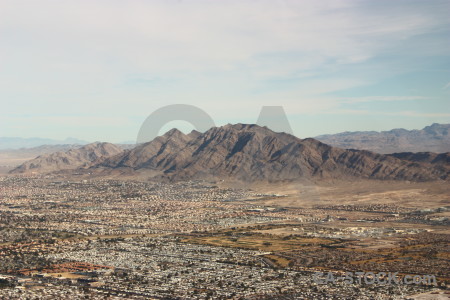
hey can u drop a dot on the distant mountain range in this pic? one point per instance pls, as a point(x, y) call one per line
point(434, 138)
point(18, 143)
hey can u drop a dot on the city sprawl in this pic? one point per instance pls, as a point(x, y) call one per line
point(111, 239)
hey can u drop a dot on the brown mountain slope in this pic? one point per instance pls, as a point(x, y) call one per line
point(253, 153)
point(71, 159)
point(427, 157)
point(433, 138)
point(151, 155)
point(439, 161)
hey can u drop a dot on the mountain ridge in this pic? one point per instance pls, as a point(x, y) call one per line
point(70, 159)
point(248, 152)
point(432, 138)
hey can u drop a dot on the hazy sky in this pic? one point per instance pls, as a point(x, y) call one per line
point(95, 70)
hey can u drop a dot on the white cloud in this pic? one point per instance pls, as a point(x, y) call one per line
point(172, 36)
point(382, 99)
point(102, 56)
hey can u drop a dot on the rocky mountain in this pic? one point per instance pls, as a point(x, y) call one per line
point(434, 138)
point(70, 159)
point(254, 153)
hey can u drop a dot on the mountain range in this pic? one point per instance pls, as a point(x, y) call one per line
point(243, 152)
point(71, 159)
point(433, 138)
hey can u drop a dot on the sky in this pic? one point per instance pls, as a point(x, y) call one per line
point(95, 70)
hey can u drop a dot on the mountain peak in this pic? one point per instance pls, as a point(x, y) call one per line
point(241, 126)
point(194, 134)
point(173, 132)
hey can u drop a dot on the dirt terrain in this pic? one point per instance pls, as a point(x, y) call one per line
point(362, 192)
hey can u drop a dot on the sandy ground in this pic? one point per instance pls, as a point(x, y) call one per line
point(9, 159)
point(362, 192)
point(4, 170)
